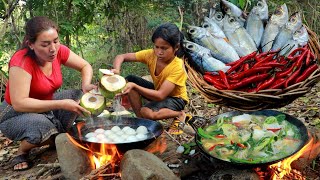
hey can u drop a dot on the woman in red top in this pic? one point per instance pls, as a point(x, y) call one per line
point(33, 112)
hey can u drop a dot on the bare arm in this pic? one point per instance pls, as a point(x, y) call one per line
point(76, 62)
point(20, 82)
point(155, 95)
point(119, 59)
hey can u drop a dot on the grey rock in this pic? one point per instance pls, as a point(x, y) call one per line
point(73, 160)
point(142, 165)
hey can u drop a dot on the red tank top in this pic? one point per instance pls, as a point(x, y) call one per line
point(42, 86)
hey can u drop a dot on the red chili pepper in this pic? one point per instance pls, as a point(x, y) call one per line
point(251, 90)
point(294, 52)
point(301, 58)
point(211, 73)
point(232, 81)
point(224, 78)
point(233, 63)
point(286, 72)
point(239, 69)
point(212, 147)
point(270, 64)
point(219, 87)
point(249, 72)
point(278, 83)
point(308, 60)
point(214, 81)
point(265, 59)
point(307, 72)
point(220, 136)
point(246, 66)
point(292, 77)
point(237, 63)
point(266, 83)
point(259, 56)
point(246, 81)
point(273, 129)
point(241, 145)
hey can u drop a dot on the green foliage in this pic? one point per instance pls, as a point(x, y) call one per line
point(316, 122)
point(211, 105)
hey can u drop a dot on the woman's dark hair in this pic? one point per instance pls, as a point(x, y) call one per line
point(33, 28)
point(170, 33)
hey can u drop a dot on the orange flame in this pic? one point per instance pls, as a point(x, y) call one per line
point(159, 145)
point(108, 152)
point(283, 168)
point(76, 143)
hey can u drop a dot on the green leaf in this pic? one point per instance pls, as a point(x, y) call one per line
point(234, 2)
point(242, 3)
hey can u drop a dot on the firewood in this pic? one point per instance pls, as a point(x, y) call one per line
point(50, 165)
point(96, 172)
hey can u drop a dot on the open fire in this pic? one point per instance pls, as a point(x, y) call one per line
point(108, 154)
point(283, 169)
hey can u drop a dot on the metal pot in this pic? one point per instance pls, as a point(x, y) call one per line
point(197, 122)
point(154, 127)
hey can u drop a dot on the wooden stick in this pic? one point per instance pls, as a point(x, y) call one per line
point(50, 165)
point(111, 174)
point(172, 138)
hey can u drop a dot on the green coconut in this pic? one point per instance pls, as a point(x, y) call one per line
point(94, 103)
point(103, 72)
point(122, 113)
point(110, 85)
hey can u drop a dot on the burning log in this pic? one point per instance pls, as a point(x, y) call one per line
point(101, 172)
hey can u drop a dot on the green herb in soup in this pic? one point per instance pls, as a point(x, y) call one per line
point(250, 139)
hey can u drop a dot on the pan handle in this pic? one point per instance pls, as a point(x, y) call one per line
point(196, 122)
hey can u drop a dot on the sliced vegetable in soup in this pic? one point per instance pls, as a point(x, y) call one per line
point(250, 138)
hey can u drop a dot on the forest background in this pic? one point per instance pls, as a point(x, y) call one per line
point(98, 30)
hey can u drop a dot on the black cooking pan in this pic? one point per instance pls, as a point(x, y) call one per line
point(78, 130)
point(197, 122)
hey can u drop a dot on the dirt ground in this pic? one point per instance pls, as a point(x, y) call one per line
point(45, 163)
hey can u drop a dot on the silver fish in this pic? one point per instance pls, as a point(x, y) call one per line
point(217, 17)
point(300, 38)
point(254, 23)
point(278, 19)
point(213, 28)
point(287, 31)
point(202, 58)
point(233, 10)
point(238, 37)
point(220, 49)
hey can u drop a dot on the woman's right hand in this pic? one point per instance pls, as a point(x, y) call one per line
point(73, 106)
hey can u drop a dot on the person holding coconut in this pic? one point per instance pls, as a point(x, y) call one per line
point(167, 94)
point(33, 112)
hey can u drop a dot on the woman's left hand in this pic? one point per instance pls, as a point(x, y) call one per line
point(89, 87)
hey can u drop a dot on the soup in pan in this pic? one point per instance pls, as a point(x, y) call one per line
point(250, 139)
